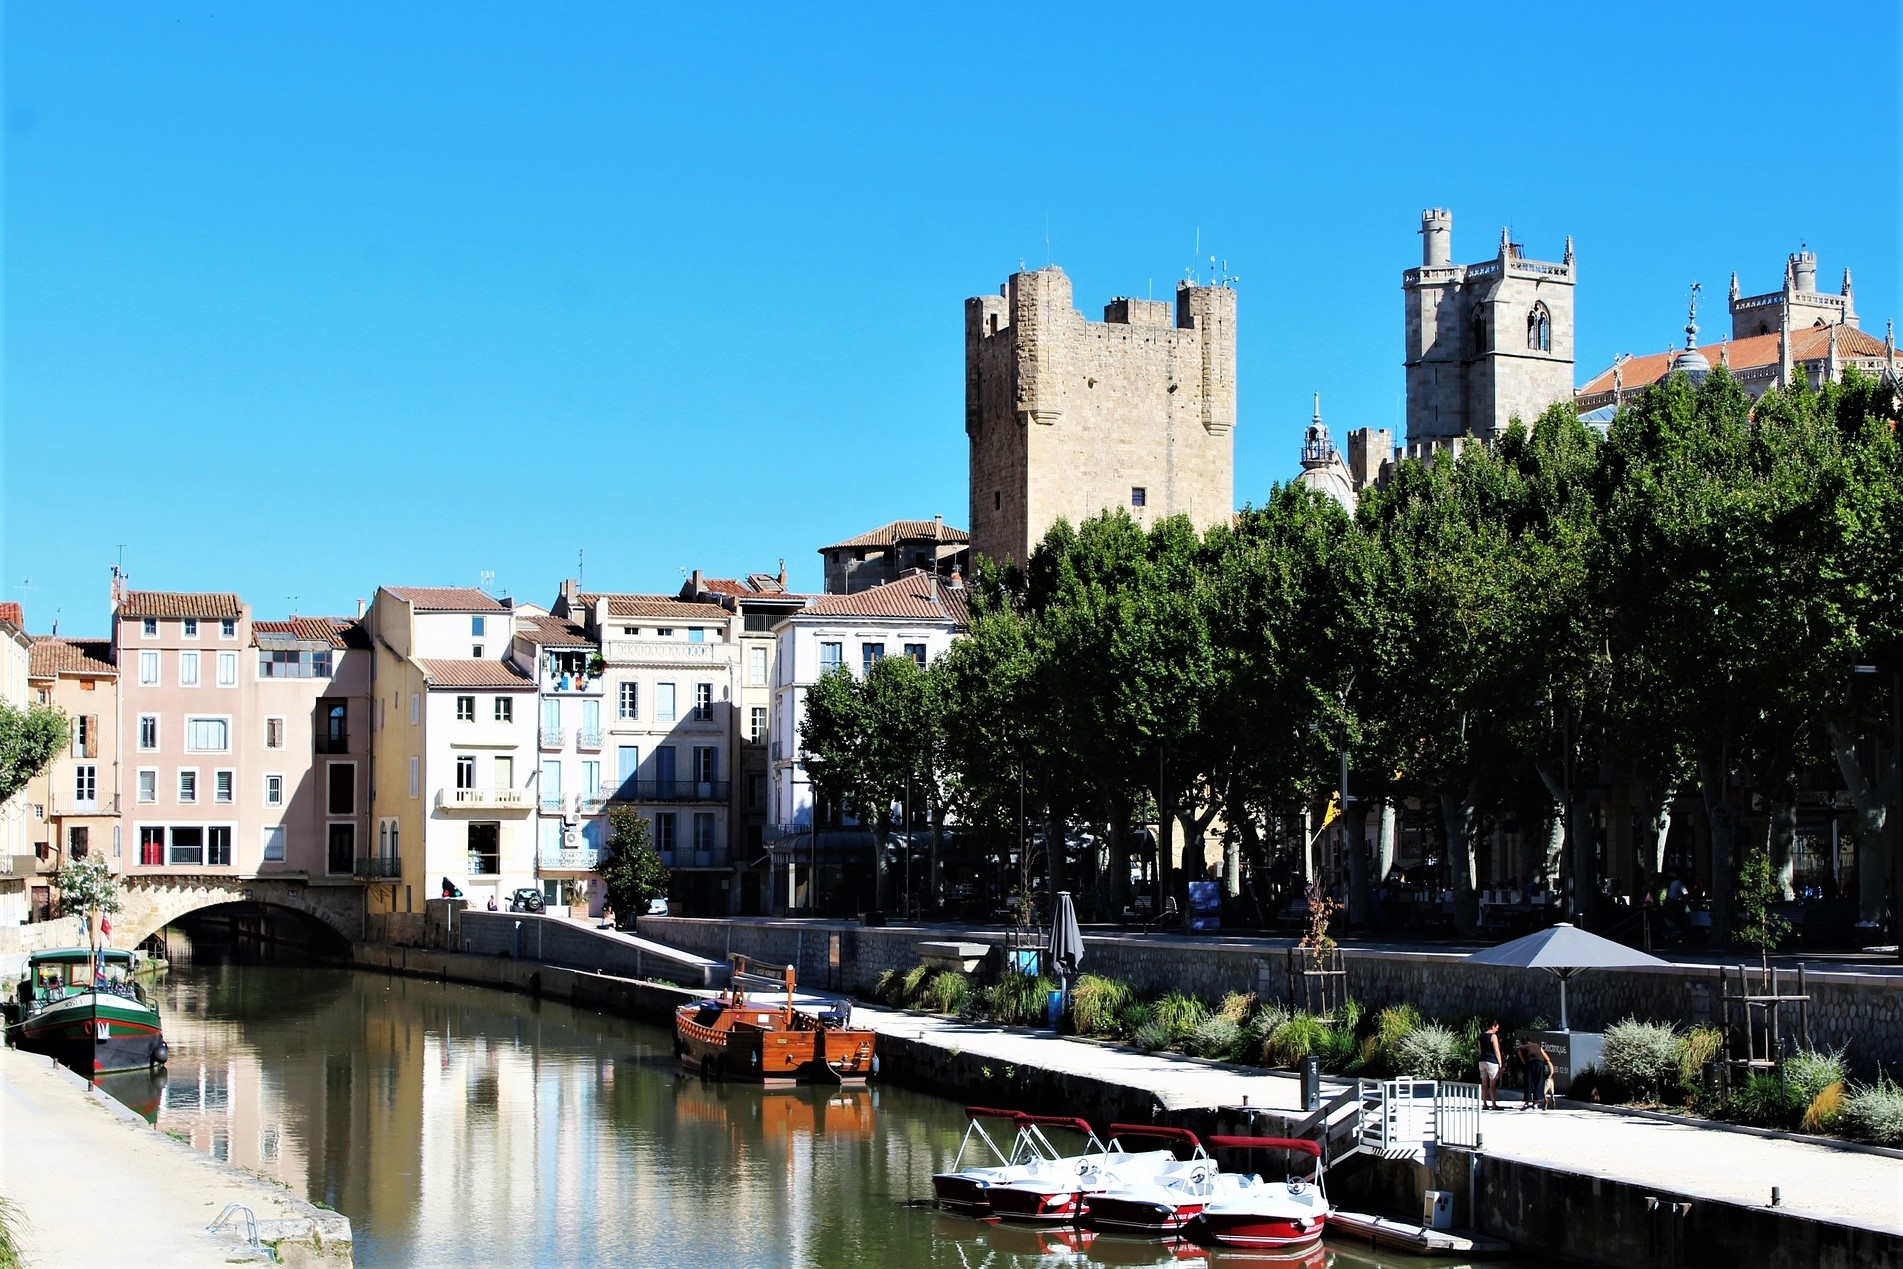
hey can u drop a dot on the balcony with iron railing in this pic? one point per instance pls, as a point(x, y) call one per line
point(377, 867)
point(551, 737)
point(664, 652)
point(482, 800)
point(568, 858)
point(590, 803)
point(588, 738)
point(673, 791)
point(553, 804)
point(683, 857)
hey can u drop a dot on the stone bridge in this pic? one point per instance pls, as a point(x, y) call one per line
point(150, 903)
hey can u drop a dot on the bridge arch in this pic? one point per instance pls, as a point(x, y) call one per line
point(150, 903)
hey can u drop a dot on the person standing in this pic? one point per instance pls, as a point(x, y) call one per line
point(1538, 1068)
point(1491, 1060)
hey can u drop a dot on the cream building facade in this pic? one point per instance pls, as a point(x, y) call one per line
point(75, 801)
point(17, 866)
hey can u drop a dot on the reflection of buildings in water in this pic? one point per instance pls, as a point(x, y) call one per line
point(223, 1104)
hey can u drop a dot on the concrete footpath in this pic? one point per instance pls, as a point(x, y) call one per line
point(93, 1184)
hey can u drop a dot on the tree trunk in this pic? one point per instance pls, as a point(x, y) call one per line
point(1054, 869)
point(1659, 825)
point(1714, 778)
point(937, 892)
point(1780, 830)
point(1583, 860)
point(1554, 857)
point(1872, 801)
point(1457, 813)
point(1116, 886)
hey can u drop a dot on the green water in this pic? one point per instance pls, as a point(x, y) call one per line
point(462, 1126)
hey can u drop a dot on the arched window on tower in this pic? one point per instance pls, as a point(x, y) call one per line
point(1539, 329)
point(1480, 330)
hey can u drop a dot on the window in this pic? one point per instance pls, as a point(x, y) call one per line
point(83, 737)
point(343, 788)
point(1478, 333)
point(340, 848)
point(1539, 329)
point(416, 709)
point(227, 669)
point(274, 790)
point(465, 771)
point(831, 656)
point(148, 668)
point(294, 663)
point(207, 735)
point(228, 628)
point(756, 791)
point(478, 627)
point(917, 652)
point(505, 709)
point(78, 842)
point(664, 833)
point(664, 632)
point(191, 627)
point(465, 709)
point(274, 733)
point(697, 634)
point(664, 702)
point(151, 847)
point(222, 785)
point(703, 702)
point(86, 784)
point(188, 669)
point(591, 779)
point(274, 843)
point(188, 785)
point(706, 764)
point(333, 727)
point(148, 785)
point(756, 667)
point(218, 846)
point(552, 784)
point(630, 706)
point(627, 768)
point(703, 831)
point(150, 628)
point(505, 771)
point(475, 651)
point(485, 849)
point(1139, 496)
point(630, 630)
point(870, 654)
point(756, 724)
point(416, 776)
point(187, 847)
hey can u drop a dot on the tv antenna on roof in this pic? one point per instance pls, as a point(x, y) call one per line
point(488, 582)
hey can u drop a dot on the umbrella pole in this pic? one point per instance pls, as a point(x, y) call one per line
point(1562, 1004)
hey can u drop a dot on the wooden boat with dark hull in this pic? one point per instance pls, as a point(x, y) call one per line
point(731, 1037)
point(82, 1009)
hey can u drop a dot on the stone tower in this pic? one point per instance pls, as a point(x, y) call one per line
point(1067, 417)
point(1485, 342)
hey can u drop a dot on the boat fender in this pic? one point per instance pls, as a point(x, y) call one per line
point(753, 1058)
point(160, 1053)
point(875, 1063)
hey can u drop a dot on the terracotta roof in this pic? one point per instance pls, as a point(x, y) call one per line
point(657, 606)
point(909, 596)
point(11, 612)
point(492, 674)
point(553, 632)
point(446, 598)
point(1808, 343)
point(85, 658)
point(756, 586)
point(903, 531)
point(215, 605)
point(338, 632)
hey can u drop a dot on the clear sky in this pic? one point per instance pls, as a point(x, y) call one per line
point(304, 298)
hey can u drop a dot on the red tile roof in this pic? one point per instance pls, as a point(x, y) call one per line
point(51, 656)
point(11, 612)
point(657, 606)
point(553, 632)
point(1809, 343)
point(212, 605)
point(904, 531)
point(910, 596)
point(338, 632)
point(446, 598)
point(755, 586)
point(490, 674)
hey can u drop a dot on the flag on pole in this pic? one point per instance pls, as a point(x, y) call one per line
point(1333, 812)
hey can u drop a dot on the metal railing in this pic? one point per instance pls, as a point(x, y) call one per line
point(588, 738)
point(1405, 1116)
point(673, 791)
point(571, 858)
point(553, 803)
point(1457, 1114)
point(550, 737)
point(378, 867)
point(482, 799)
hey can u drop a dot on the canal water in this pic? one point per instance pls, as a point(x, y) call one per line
point(462, 1126)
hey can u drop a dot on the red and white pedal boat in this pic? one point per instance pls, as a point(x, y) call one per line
point(1161, 1203)
point(966, 1189)
point(1058, 1194)
point(1275, 1215)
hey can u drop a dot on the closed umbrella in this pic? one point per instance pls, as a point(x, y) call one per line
point(1563, 951)
point(1067, 942)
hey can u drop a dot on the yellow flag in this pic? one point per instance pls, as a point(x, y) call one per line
point(1333, 812)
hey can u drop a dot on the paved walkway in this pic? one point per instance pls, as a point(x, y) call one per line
point(1849, 1186)
point(92, 1184)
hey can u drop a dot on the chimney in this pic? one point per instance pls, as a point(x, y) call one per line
point(782, 572)
point(938, 526)
point(571, 590)
point(957, 579)
point(360, 607)
point(696, 583)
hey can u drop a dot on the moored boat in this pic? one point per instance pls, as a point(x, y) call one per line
point(1057, 1193)
point(1269, 1215)
point(82, 1008)
point(1162, 1202)
point(731, 1037)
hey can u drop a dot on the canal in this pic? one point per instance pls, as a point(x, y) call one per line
point(464, 1126)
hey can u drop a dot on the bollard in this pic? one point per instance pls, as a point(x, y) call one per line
point(1311, 1083)
point(1777, 1196)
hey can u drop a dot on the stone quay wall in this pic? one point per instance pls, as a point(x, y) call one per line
point(1861, 1013)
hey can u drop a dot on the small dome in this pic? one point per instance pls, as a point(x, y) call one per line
point(1692, 364)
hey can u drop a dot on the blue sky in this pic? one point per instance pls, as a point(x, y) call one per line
point(300, 299)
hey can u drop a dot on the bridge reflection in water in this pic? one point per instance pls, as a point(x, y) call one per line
point(463, 1126)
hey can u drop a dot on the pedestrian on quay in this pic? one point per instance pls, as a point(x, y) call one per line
point(1539, 1068)
point(1491, 1060)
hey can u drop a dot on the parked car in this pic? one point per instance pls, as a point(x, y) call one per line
point(527, 899)
point(656, 907)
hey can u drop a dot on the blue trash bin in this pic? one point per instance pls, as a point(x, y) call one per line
point(1053, 1009)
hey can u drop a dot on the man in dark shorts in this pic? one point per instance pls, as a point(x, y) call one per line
point(1491, 1060)
point(1538, 1068)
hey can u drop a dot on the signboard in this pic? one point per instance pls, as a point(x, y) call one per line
point(832, 950)
point(1205, 905)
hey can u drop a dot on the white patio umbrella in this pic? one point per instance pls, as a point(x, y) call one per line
point(1563, 951)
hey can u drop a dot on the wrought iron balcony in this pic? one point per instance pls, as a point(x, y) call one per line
point(673, 791)
point(551, 737)
point(588, 738)
point(590, 803)
point(569, 858)
point(377, 867)
point(553, 803)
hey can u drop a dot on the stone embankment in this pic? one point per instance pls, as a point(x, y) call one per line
point(93, 1184)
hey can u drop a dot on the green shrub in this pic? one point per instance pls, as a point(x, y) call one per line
point(1337, 1050)
point(946, 992)
point(1349, 1016)
point(1297, 1037)
point(914, 982)
point(1133, 1017)
point(1826, 1110)
point(1097, 1003)
point(1811, 1071)
point(1236, 1006)
point(889, 987)
point(1217, 1036)
point(1765, 1101)
point(1257, 1030)
point(1018, 1000)
point(1392, 1026)
point(1875, 1114)
point(1643, 1056)
point(1181, 1014)
point(1695, 1048)
point(1433, 1052)
point(1153, 1035)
